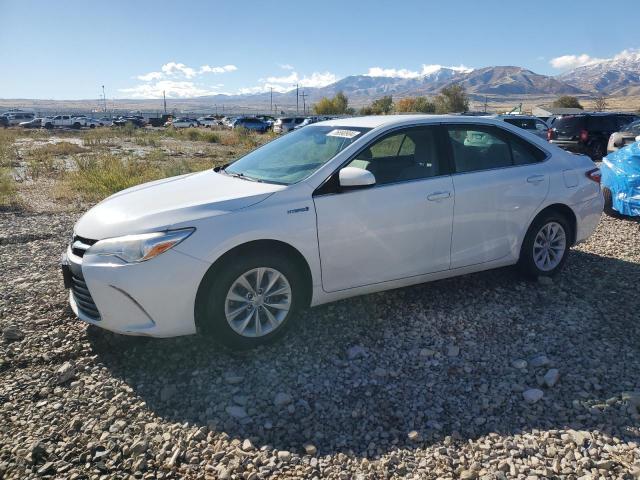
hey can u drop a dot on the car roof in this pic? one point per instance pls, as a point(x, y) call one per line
point(376, 121)
point(523, 117)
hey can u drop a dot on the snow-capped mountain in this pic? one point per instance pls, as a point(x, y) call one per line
point(619, 75)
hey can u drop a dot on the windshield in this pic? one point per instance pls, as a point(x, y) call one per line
point(633, 127)
point(296, 155)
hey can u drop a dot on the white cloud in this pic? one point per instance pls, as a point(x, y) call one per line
point(177, 70)
point(173, 68)
point(391, 72)
point(405, 73)
point(568, 62)
point(224, 69)
point(287, 83)
point(317, 80)
point(148, 77)
point(173, 89)
point(429, 69)
point(286, 66)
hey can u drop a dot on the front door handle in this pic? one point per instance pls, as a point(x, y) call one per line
point(535, 178)
point(435, 196)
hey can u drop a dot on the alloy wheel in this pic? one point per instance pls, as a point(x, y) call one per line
point(258, 302)
point(549, 246)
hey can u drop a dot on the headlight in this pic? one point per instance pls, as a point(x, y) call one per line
point(139, 248)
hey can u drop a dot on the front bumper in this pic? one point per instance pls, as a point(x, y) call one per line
point(154, 298)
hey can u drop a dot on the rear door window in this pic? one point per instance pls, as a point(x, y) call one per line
point(481, 147)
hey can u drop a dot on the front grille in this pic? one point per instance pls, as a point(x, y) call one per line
point(83, 298)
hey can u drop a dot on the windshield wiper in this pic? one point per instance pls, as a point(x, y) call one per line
point(240, 175)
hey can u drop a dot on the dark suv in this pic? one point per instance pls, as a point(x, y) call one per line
point(587, 133)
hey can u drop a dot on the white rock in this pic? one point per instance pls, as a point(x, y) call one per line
point(532, 395)
point(551, 377)
point(310, 448)
point(236, 411)
point(356, 352)
point(540, 360)
point(453, 351)
point(519, 364)
point(65, 373)
point(281, 399)
point(413, 435)
point(284, 455)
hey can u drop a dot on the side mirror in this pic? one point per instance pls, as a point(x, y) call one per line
point(353, 177)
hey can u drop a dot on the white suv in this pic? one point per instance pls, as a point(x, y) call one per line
point(335, 209)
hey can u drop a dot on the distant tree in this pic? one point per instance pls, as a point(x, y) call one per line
point(567, 101)
point(415, 104)
point(424, 105)
point(337, 105)
point(406, 105)
point(381, 106)
point(601, 103)
point(452, 99)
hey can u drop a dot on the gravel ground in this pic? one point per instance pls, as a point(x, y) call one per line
point(483, 376)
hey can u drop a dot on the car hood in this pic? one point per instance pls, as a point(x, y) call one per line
point(169, 202)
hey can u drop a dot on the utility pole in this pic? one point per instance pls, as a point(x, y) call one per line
point(297, 94)
point(304, 102)
point(104, 99)
point(164, 99)
point(485, 104)
point(271, 101)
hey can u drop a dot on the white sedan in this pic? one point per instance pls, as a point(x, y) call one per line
point(339, 208)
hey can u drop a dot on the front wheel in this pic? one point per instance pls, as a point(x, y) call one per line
point(251, 300)
point(545, 247)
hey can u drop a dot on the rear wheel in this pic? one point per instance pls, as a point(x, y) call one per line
point(546, 246)
point(251, 300)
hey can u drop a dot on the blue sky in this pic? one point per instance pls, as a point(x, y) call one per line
point(68, 49)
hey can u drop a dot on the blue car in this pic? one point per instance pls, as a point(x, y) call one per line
point(621, 181)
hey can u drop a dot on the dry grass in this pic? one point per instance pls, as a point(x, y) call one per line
point(105, 162)
point(8, 189)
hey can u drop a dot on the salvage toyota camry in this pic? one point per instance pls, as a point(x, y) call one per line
point(336, 209)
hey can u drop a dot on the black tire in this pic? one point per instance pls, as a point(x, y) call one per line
point(76, 126)
point(608, 202)
point(598, 150)
point(210, 310)
point(48, 126)
point(526, 263)
point(92, 126)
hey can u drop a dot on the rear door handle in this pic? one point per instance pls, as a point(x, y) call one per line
point(435, 196)
point(535, 178)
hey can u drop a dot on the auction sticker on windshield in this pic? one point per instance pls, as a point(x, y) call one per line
point(343, 133)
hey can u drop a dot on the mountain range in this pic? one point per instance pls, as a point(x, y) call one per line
point(613, 77)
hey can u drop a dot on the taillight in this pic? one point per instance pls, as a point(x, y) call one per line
point(584, 135)
point(594, 175)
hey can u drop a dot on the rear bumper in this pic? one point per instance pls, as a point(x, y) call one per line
point(588, 215)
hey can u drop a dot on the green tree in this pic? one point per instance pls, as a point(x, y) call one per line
point(337, 105)
point(452, 99)
point(567, 101)
point(424, 105)
point(381, 106)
